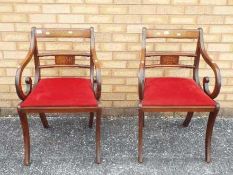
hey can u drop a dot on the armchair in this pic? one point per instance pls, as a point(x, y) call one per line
point(60, 94)
point(177, 94)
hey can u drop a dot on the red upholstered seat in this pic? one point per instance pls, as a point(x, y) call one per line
point(61, 92)
point(171, 91)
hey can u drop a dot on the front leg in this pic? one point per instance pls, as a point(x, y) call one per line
point(98, 135)
point(209, 131)
point(140, 134)
point(26, 136)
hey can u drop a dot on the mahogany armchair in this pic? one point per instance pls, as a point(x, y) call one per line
point(60, 94)
point(177, 94)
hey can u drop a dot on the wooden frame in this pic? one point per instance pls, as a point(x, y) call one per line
point(95, 77)
point(200, 51)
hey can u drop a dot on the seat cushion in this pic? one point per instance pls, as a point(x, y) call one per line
point(61, 92)
point(171, 91)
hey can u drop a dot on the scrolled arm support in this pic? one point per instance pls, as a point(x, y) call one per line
point(28, 81)
point(97, 79)
point(18, 79)
point(214, 67)
point(141, 74)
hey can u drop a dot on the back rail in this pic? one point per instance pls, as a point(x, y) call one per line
point(63, 33)
point(174, 33)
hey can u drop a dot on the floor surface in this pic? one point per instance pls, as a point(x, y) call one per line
point(68, 147)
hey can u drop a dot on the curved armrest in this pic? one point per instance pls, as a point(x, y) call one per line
point(141, 74)
point(18, 78)
point(97, 80)
point(214, 67)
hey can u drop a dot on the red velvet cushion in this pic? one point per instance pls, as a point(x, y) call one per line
point(171, 91)
point(52, 92)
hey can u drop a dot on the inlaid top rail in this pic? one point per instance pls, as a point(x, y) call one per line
point(174, 33)
point(171, 53)
point(68, 53)
point(63, 33)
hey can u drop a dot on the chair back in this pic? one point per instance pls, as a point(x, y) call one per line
point(171, 58)
point(62, 58)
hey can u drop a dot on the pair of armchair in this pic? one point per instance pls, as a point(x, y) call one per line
point(163, 94)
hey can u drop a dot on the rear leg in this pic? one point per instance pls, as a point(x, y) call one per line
point(91, 119)
point(143, 119)
point(188, 119)
point(44, 120)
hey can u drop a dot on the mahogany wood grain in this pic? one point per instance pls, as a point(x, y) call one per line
point(169, 59)
point(98, 135)
point(169, 65)
point(209, 131)
point(188, 119)
point(44, 120)
point(91, 118)
point(61, 61)
point(63, 53)
point(213, 66)
point(140, 135)
point(64, 65)
point(64, 60)
point(26, 136)
point(174, 33)
point(200, 51)
point(64, 33)
point(170, 53)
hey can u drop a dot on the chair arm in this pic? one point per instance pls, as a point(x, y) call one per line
point(18, 78)
point(141, 74)
point(214, 67)
point(97, 80)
